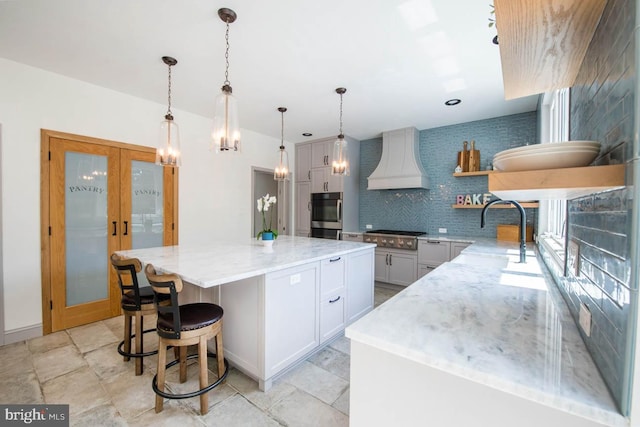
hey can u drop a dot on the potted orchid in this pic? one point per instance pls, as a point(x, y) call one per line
point(264, 203)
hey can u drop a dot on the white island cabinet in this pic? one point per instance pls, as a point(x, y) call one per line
point(281, 304)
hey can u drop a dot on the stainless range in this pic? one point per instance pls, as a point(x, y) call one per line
point(393, 238)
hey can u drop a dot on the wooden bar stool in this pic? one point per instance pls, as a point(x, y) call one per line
point(136, 302)
point(181, 326)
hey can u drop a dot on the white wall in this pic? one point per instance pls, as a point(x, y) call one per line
point(215, 189)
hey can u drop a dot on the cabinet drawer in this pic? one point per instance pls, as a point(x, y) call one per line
point(424, 269)
point(331, 275)
point(433, 252)
point(331, 315)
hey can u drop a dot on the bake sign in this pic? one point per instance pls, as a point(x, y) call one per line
point(473, 199)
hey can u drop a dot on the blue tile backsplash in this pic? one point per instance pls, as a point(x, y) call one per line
point(602, 109)
point(429, 210)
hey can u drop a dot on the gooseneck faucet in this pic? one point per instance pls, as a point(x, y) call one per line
point(523, 224)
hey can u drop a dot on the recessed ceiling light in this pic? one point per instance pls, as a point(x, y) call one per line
point(452, 102)
point(495, 40)
point(307, 134)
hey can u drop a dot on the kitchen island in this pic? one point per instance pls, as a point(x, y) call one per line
point(281, 303)
point(482, 340)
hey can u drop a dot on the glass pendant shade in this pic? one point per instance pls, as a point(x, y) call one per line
point(168, 151)
point(226, 127)
point(340, 164)
point(281, 172)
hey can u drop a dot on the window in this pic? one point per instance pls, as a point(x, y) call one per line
point(554, 128)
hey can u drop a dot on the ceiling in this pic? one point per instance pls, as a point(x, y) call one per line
point(400, 60)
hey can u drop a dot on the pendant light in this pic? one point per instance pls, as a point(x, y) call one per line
point(168, 151)
point(226, 128)
point(340, 164)
point(281, 172)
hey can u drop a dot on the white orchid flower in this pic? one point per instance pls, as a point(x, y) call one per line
point(260, 205)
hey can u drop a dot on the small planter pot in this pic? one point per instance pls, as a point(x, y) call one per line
point(267, 235)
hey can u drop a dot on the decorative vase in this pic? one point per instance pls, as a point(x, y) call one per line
point(267, 235)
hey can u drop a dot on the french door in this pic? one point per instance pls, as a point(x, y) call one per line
point(98, 197)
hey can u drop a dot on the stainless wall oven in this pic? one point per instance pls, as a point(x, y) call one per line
point(326, 215)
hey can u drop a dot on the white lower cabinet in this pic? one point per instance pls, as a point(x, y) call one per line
point(456, 248)
point(306, 306)
point(432, 253)
point(396, 266)
point(291, 315)
point(332, 296)
point(359, 290)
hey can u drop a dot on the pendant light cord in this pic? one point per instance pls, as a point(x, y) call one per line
point(282, 132)
point(226, 57)
point(340, 114)
point(169, 94)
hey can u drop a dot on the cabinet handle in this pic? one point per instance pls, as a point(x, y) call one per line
point(331, 301)
point(115, 229)
point(390, 259)
point(309, 174)
point(386, 261)
point(335, 259)
point(126, 228)
point(437, 242)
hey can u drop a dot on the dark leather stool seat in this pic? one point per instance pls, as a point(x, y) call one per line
point(181, 326)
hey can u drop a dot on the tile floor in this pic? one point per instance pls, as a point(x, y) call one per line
point(81, 367)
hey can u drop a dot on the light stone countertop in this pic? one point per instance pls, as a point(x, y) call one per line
point(222, 262)
point(487, 318)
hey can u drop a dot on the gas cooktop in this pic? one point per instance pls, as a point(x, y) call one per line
point(398, 232)
point(394, 238)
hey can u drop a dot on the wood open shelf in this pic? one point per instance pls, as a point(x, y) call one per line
point(543, 42)
point(549, 184)
point(477, 173)
point(498, 206)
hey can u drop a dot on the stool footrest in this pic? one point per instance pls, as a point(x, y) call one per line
point(154, 383)
point(124, 353)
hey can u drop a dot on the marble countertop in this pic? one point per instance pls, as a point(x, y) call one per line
point(451, 238)
point(227, 261)
point(492, 320)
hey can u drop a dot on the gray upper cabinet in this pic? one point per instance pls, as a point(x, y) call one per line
point(321, 152)
point(303, 162)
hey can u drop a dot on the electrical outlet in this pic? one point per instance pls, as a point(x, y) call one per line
point(584, 318)
point(369, 226)
point(442, 230)
point(573, 253)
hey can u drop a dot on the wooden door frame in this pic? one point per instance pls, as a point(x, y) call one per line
point(45, 244)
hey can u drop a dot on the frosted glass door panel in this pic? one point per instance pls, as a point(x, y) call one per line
point(147, 205)
point(87, 226)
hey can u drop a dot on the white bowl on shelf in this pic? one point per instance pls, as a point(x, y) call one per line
point(545, 160)
point(555, 146)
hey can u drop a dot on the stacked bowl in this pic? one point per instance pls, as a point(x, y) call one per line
point(569, 154)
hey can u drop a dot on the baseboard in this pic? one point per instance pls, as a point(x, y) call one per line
point(21, 334)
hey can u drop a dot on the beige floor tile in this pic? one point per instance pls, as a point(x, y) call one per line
point(15, 358)
point(131, 395)
point(106, 362)
point(303, 410)
point(342, 344)
point(49, 342)
point(248, 387)
point(21, 387)
point(218, 394)
point(80, 389)
point(173, 415)
point(100, 416)
point(57, 362)
point(236, 411)
point(316, 381)
point(116, 325)
point(334, 361)
point(92, 336)
point(342, 404)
